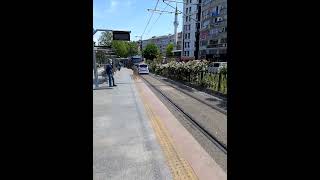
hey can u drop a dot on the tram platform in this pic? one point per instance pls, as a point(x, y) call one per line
point(135, 136)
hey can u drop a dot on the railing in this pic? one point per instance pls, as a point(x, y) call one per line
point(216, 82)
point(212, 45)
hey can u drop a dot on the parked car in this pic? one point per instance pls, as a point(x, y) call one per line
point(216, 67)
point(143, 69)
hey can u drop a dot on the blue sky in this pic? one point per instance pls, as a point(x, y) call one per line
point(132, 15)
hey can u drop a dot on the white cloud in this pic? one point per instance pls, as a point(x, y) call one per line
point(96, 13)
point(113, 6)
point(129, 2)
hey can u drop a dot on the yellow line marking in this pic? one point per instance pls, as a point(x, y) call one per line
point(179, 167)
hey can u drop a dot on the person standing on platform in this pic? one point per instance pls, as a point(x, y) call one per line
point(109, 71)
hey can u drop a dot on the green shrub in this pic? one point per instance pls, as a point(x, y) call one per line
point(193, 68)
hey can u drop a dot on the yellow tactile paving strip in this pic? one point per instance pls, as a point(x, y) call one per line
point(179, 167)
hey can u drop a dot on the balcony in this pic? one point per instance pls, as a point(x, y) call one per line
point(223, 51)
point(212, 46)
point(214, 14)
point(222, 45)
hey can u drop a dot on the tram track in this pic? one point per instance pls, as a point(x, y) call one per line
point(218, 143)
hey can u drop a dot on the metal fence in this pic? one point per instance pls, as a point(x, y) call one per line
point(214, 81)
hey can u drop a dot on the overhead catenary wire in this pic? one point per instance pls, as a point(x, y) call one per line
point(184, 15)
point(150, 18)
point(156, 20)
point(181, 2)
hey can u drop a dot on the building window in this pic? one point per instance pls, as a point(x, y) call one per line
point(190, 1)
point(190, 10)
point(213, 42)
point(188, 35)
point(186, 18)
point(189, 26)
point(185, 36)
point(187, 53)
point(224, 40)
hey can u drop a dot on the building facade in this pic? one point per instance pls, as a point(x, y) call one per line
point(162, 42)
point(213, 30)
point(179, 41)
point(190, 27)
point(205, 29)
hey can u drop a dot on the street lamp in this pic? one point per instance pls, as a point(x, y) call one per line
point(140, 43)
point(141, 47)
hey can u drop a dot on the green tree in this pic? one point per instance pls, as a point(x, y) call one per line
point(151, 51)
point(105, 39)
point(101, 57)
point(132, 48)
point(169, 50)
point(120, 48)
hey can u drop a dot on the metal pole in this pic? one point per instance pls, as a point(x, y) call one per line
point(141, 48)
point(95, 70)
point(95, 65)
point(175, 23)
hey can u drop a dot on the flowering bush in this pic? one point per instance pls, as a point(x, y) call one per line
point(223, 70)
point(179, 70)
point(194, 66)
point(186, 58)
point(191, 71)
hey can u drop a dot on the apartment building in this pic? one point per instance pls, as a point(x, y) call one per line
point(213, 30)
point(190, 27)
point(179, 42)
point(205, 29)
point(163, 41)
